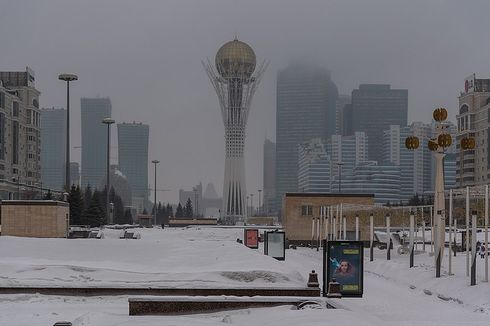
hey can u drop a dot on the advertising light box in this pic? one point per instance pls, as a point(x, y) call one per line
point(343, 262)
point(275, 244)
point(251, 237)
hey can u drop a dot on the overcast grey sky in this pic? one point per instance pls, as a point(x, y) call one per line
point(146, 56)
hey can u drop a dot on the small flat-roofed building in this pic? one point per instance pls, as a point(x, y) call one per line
point(300, 208)
point(35, 218)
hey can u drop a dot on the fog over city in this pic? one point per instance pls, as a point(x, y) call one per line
point(146, 56)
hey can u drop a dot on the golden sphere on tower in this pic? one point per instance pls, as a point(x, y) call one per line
point(444, 140)
point(235, 59)
point(412, 142)
point(440, 114)
point(467, 143)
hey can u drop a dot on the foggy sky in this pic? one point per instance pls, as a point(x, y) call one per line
point(146, 56)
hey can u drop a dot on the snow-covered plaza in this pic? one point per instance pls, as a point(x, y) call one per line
point(211, 257)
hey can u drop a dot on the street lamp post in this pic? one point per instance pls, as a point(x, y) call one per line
point(108, 122)
point(260, 207)
point(437, 145)
point(68, 78)
point(247, 208)
point(251, 204)
point(155, 162)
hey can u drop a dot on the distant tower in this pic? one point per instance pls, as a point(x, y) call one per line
point(234, 80)
point(94, 140)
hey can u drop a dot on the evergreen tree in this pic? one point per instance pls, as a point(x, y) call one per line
point(94, 216)
point(100, 201)
point(87, 197)
point(119, 210)
point(162, 217)
point(170, 211)
point(103, 200)
point(128, 218)
point(76, 205)
point(48, 195)
point(179, 212)
point(188, 210)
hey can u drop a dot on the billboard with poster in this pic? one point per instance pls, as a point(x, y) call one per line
point(251, 238)
point(275, 244)
point(344, 262)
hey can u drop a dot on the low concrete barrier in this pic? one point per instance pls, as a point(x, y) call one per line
point(185, 305)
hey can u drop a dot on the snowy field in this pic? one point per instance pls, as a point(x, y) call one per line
point(211, 257)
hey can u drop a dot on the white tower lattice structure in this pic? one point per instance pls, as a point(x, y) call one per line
point(235, 83)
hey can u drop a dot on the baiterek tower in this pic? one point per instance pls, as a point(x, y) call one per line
point(234, 79)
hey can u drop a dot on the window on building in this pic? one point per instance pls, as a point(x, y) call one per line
point(2, 136)
point(307, 210)
point(15, 142)
point(15, 109)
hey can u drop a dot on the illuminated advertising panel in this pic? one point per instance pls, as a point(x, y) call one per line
point(251, 238)
point(343, 262)
point(275, 244)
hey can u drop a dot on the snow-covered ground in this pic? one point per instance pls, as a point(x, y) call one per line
point(211, 257)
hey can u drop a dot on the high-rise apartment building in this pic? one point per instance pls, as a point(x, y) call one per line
point(314, 167)
point(416, 166)
point(306, 105)
point(20, 134)
point(342, 117)
point(53, 149)
point(473, 166)
point(133, 159)
point(347, 152)
point(270, 206)
point(374, 108)
point(94, 140)
point(370, 178)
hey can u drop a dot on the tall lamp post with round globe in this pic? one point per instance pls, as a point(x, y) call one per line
point(438, 146)
point(235, 77)
point(155, 162)
point(108, 122)
point(67, 78)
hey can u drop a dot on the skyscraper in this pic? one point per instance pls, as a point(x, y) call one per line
point(269, 178)
point(306, 105)
point(94, 140)
point(234, 79)
point(132, 140)
point(342, 118)
point(374, 108)
point(53, 135)
point(75, 173)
